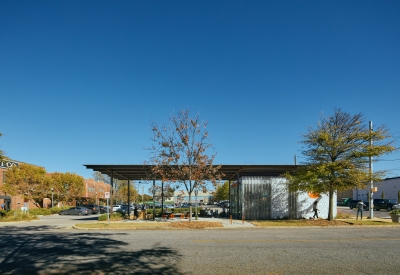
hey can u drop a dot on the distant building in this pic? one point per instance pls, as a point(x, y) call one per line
point(182, 196)
point(390, 187)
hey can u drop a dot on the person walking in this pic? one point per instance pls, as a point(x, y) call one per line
point(360, 208)
point(315, 209)
point(136, 213)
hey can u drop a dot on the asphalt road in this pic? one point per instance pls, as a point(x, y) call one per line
point(50, 246)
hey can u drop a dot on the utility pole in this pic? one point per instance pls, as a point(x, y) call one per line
point(371, 193)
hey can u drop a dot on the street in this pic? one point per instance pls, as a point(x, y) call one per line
point(50, 246)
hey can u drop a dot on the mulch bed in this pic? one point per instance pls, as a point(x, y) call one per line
point(195, 224)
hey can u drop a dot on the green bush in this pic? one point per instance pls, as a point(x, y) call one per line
point(12, 216)
point(114, 217)
point(395, 212)
point(39, 211)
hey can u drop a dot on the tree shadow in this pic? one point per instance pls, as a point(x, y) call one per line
point(33, 250)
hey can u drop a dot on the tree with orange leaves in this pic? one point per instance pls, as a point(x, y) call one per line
point(179, 153)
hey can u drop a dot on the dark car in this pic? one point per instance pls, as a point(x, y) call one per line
point(353, 204)
point(385, 204)
point(103, 209)
point(79, 210)
point(344, 202)
point(124, 209)
point(94, 208)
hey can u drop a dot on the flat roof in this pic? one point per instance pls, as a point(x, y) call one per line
point(229, 171)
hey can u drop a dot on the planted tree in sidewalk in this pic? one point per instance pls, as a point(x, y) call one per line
point(179, 153)
point(337, 152)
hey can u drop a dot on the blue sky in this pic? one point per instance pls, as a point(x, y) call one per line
point(81, 81)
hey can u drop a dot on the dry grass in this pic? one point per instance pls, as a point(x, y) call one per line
point(320, 222)
point(195, 224)
point(300, 223)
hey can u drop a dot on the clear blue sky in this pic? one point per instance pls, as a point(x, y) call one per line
point(80, 81)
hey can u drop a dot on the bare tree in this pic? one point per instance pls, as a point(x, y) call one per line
point(179, 153)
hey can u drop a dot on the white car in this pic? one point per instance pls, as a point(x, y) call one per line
point(116, 207)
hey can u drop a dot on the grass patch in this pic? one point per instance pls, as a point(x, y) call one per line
point(371, 222)
point(16, 216)
point(286, 223)
point(321, 222)
point(344, 216)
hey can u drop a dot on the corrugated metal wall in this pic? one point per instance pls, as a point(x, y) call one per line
point(256, 198)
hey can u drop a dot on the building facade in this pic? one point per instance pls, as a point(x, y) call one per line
point(268, 198)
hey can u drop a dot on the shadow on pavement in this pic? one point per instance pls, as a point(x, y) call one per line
point(32, 250)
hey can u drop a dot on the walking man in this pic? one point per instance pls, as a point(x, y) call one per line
point(360, 207)
point(315, 209)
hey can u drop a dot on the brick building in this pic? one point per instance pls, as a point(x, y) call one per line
point(94, 192)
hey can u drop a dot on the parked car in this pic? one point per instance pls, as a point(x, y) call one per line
point(79, 210)
point(93, 207)
point(344, 202)
point(116, 207)
point(353, 204)
point(385, 204)
point(104, 209)
point(124, 209)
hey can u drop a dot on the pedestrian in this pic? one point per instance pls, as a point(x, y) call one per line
point(360, 208)
point(136, 213)
point(315, 209)
point(2, 206)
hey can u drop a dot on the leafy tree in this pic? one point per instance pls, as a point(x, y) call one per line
point(337, 153)
point(68, 186)
point(222, 192)
point(179, 153)
point(28, 180)
point(122, 192)
point(97, 176)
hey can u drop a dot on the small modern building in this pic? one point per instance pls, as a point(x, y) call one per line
point(257, 192)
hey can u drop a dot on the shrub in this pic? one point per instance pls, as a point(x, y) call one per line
point(116, 216)
point(12, 216)
point(395, 212)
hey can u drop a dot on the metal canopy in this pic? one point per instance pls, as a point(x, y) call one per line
point(231, 172)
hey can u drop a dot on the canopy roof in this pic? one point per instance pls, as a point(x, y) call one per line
point(231, 172)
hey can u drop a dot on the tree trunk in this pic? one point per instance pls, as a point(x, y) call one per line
point(190, 206)
point(330, 211)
